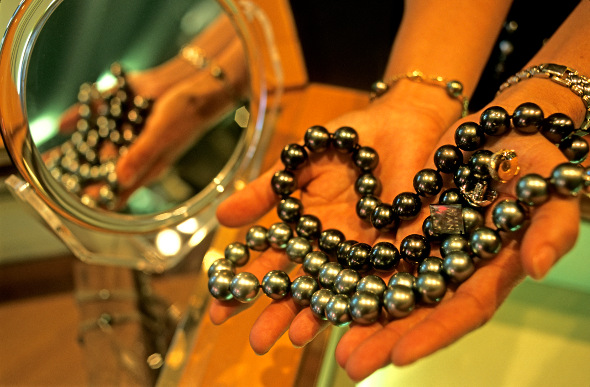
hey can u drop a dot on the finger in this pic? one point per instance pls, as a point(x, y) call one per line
point(271, 324)
point(470, 307)
point(305, 327)
point(553, 232)
point(69, 119)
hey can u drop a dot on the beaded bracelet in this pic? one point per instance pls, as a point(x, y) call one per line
point(454, 88)
point(336, 286)
point(559, 74)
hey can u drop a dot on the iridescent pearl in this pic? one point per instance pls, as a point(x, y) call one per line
point(359, 257)
point(428, 230)
point(495, 121)
point(384, 256)
point(556, 127)
point(237, 253)
point(448, 158)
point(451, 196)
point(480, 162)
point(407, 205)
point(430, 287)
point(283, 183)
point(345, 139)
point(414, 248)
point(302, 289)
point(469, 136)
point(293, 156)
point(458, 266)
point(432, 264)
point(328, 273)
point(278, 235)
point(453, 243)
point(365, 158)
point(373, 284)
point(567, 179)
point(289, 209)
point(313, 262)
point(338, 310)
point(399, 301)
point(309, 226)
point(244, 287)
point(256, 238)
point(219, 284)
point(472, 219)
point(220, 264)
point(329, 241)
point(366, 206)
point(365, 307)
point(297, 249)
point(508, 215)
point(527, 118)
point(485, 243)
point(275, 284)
point(532, 189)
point(402, 279)
point(346, 281)
point(428, 182)
point(343, 250)
point(318, 303)
point(317, 138)
point(383, 217)
point(575, 148)
point(367, 184)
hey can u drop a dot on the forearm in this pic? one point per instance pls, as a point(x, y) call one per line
point(452, 39)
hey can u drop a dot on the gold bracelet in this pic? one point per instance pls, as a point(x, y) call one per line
point(196, 56)
point(559, 74)
point(454, 88)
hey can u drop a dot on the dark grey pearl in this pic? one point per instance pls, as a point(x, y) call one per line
point(469, 136)
point(495, 121)
point(575, 148)
point(472, 219)
point(290, 210)
point(430, 287)
point(256, 238)
point(464, 176)
point(407, 205)
point(366, 206)
point(452, 243)
point(346, 281)
point(480, 161)
point(309, 226)
point(373, 284)
point(278, 235)
point(448, 158)
point(429, 231)
point(293, 156)
point(220, 264)
point(556, 127)
point(485, 243)
point(237, 253)
point(384, 256)
point(367, 184)
point(402, 279)
point(297, 249)
point(365, 158)
point(399, 301)
point(219, 283)
point(313, 262)
point(383, 217)
point(244, 287)
point(328, 273)
point(283, 183)
point(345, 139)
point(338, 310)
point(532, 189)
point(329, 241)
point(365, 307)
point(527, 118)
point(414, 248)
point(317, 138)
point(343, 250)
point(302, 289)
point(428, 182)
point(458, 266)
point(567, 179)
point(275, 284)
point(433, 264)
point(359, 257)
point(451, 196)
point(318, 302)
point(508, 215)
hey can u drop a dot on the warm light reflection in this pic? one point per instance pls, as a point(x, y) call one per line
point(189, 226)
point(168, 242)
point(43, 129)
point(211, 256)
point(197, 237)
point(106, 81)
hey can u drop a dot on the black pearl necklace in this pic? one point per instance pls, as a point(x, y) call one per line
point(336, 285)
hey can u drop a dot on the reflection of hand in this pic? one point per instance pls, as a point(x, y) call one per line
point(405, 140)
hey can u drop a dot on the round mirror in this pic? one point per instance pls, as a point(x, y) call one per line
point(130, 121)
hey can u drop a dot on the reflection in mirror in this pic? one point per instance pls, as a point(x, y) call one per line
point(133, 104)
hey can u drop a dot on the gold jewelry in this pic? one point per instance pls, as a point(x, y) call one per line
point(454, 88)
point(559, 74)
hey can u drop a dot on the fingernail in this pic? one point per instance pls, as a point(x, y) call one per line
point(544, 260)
